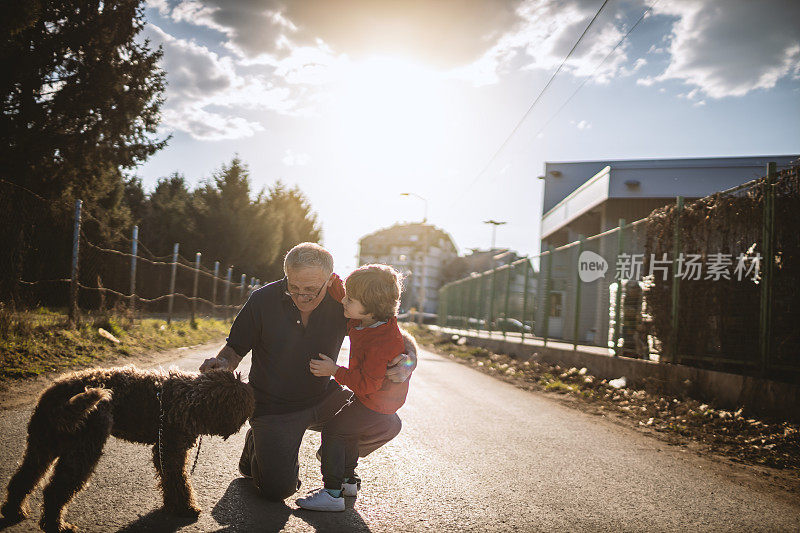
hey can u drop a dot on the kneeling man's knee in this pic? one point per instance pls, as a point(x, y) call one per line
point(278, 490)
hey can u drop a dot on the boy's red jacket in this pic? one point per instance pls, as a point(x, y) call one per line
point(371, 350)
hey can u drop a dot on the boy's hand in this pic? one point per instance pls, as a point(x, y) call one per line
point(324, 366)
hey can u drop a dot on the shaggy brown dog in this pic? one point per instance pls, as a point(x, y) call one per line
point(75, 416)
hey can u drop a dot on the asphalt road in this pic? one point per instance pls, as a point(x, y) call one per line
point(475, 454)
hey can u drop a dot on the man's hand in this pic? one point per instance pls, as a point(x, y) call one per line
point(215, 363)
point(400, 368)
point(226, 359)
point(324, 366)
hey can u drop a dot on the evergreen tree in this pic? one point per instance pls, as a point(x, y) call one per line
point(253, 234)
point(290, 219)
point(136, 199)
point(81, 101)
point(169, 218)
point(231, 226)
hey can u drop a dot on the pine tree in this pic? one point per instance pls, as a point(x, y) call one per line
point(169, 217)
point(80, 105)
point(253, 234)
point(81, 98)
point(229, 226)
point(291, 220)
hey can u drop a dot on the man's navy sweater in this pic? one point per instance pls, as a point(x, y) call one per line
point(269, 325)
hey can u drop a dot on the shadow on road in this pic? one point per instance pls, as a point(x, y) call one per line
point(349, 520)
point(158, 520)
point(8, 522)
point(242, 509)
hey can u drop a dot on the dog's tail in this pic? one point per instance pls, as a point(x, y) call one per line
point(78, 408)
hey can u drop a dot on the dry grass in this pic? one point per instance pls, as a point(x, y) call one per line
point(39, 341)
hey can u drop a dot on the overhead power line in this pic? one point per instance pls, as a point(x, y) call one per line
point(590, 76)
point(536, 101)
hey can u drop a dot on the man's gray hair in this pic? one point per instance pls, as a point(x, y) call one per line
point(308, 254)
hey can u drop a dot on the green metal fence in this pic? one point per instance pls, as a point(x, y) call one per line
point(649, 303)
point(542, 297)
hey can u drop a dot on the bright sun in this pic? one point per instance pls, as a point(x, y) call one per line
point(390, 110)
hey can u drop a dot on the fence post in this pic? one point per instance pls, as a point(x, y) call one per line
point(577, 314)
point(676, 280)
point(618, 298)
point(473, 304)
point(228, 292)
point(547, 282)
point(768, 245)
point(172, 282)
point(449, 307)
point(482, 302)
point(134, 248)
point(441, 318)
point(508, 290)
point(451, 304)
point(491, 324)
point(456, 301)
point(214, 290)
point(525, 298)
point(244, 287)
point(537, 299)
point(73, 286)
point(196, 279)
point(448, 295)
point(463, 303)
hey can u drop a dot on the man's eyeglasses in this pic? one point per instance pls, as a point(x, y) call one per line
point(305, 296)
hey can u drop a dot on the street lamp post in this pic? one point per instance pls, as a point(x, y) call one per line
point(424, 254)
point(494, 224)
point(425, 218)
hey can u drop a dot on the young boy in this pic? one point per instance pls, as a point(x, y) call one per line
point(371, 299)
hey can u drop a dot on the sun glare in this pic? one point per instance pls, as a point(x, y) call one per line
point(388, 110)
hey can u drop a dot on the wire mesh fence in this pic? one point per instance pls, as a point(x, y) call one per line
point(711, 284)
point(49, 261)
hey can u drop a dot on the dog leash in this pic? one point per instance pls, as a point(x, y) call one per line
point(160, 429)
point(197, 455)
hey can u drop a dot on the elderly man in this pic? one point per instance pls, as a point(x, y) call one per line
point(286, 323)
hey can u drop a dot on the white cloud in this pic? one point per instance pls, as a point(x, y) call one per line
point(581, 125)
point(204, 90)
point(284, 57)
point(721, 47)
point(294, 159)
point(732, 47)
point(207, 126)
point(444, 32)
point(544, 36)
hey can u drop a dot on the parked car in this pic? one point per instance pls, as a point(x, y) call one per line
point(512, 324)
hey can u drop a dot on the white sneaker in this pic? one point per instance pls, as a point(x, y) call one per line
point(351, 485)
point(321, 500)
point(349, 489)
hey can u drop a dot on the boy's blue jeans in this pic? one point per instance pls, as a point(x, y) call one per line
point(342, 437)
point(272, 445)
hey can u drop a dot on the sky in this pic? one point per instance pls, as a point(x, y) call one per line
point(358, 101)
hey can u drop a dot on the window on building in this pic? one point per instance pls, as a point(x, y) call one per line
point(555, 304)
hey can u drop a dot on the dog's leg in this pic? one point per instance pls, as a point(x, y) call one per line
point(75, 464)
point(34, 464)
point(173, 474)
